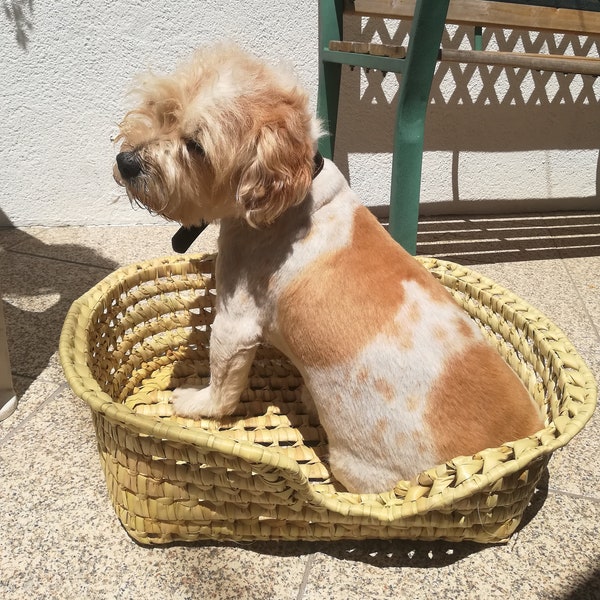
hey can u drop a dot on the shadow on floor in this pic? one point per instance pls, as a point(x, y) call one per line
point(485, 239)
point(36, 301)
point(384, 553)
point(589, 589)
point(377, 553)
point(536, 502)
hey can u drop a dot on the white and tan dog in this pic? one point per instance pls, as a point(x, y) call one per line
point(399, 375)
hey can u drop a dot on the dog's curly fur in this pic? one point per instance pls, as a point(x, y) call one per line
point(221, 111)
point(399, 376)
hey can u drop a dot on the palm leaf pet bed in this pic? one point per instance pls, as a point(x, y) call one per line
point(262, 474)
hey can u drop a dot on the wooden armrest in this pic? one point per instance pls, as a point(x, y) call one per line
point(508, 15)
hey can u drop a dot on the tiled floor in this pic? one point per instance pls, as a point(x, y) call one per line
point(59, 537)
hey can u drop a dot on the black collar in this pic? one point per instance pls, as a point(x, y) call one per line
point(318, 162)
point(185, 236)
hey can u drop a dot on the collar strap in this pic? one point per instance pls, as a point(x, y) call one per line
point(185, 237)
point(318, 162)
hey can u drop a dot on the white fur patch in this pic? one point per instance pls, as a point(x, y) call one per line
point(194, 403)
point(373, 405)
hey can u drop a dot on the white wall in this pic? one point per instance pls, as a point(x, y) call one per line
point(494, 141)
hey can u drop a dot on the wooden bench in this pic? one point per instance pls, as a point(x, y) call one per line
point(417, 64)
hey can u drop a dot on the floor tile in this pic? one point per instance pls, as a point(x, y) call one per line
point(557, 554)
point(37, 293)
point(109, 247)
point(553, 555)
point(548, 286)
point(474, 240)
point(585, 275)
point(11, 236)
point(61, 537)
point(506, 238)
point(31, 396)
point(21, 384)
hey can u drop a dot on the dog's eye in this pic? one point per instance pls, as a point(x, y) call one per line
point(194, 147)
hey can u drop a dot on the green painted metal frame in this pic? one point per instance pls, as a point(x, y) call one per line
point(415, 84)
point(331, 26)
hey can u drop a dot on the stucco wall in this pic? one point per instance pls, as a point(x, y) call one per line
point(496, 140)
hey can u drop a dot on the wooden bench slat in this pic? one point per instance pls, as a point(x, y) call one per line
point(521, 60)
point(369, 48)
point(518, 60)
point(492, 14)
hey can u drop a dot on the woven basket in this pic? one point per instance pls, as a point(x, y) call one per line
point(261, 474)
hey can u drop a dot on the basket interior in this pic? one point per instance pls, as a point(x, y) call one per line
point(148, 332)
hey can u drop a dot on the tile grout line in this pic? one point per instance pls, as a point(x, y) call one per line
point(575, 495)
point(585, 308)
point(61, 260)
point(562, 258)
point(59, 389)
point(305, 576)
point(9, 248)
point(20, 242)
point(577, 292)
point(33, 378)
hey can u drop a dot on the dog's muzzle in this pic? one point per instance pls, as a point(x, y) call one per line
point(129, 164)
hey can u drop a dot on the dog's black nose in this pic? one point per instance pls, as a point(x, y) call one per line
point(129, 164)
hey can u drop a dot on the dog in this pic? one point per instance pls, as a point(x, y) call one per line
point(400, 377)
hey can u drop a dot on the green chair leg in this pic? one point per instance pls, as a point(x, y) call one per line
point(418, 68)
point(330, 28)
point(415, 85)
point(327, 105)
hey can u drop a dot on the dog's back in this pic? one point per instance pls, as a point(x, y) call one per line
point(401, 377)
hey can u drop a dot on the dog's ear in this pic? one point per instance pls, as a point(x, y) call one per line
point(279, 173)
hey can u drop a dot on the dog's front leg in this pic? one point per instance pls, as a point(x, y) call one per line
point(232, 350)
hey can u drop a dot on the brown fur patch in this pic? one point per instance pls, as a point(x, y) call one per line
point(464, 329)
point(337, 305)
point(414, 313)
point(362, 376)
point(421, 446)
point(440, 333)
point(385, 388)
point(478, 403)
point(401, 439)
point(406, 340)
point(336, 400)
point(380, 428)
point(412, 403)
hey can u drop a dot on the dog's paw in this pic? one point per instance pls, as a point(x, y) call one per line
point(195, 403)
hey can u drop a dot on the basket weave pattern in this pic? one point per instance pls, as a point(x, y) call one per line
point(262, 474)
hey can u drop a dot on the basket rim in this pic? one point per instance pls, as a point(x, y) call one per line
point(384, 507)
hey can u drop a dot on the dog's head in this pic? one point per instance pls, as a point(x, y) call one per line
point(224, 136)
